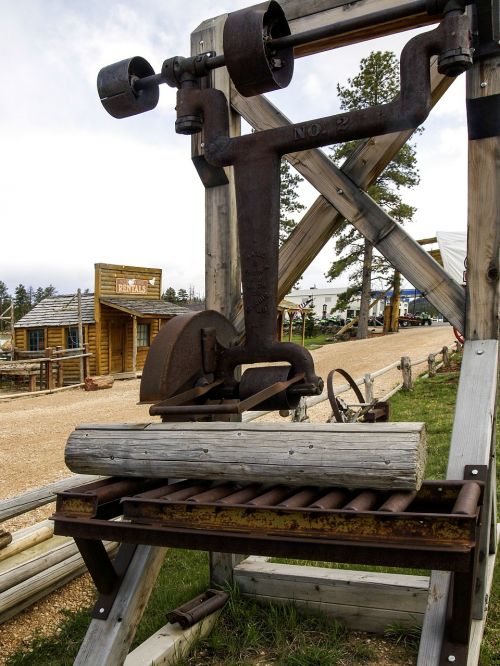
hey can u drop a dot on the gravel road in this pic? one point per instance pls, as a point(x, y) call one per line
point(34, 430)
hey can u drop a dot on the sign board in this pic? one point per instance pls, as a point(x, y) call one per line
point(131, 286)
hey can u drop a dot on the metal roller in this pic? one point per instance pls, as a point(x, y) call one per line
point(115, 85)
point(254, 65)
point(254, 380)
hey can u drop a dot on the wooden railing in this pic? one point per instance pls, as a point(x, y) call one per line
point(405, 364)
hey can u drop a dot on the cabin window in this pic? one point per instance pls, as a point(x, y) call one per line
point(72, 338)
point(36, 339)
point(143, 335)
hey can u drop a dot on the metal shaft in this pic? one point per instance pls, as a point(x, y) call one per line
point(409, 8)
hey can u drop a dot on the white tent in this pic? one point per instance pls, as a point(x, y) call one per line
point(453, 247)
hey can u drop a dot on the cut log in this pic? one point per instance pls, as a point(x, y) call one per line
point(27, 537)
point(19, 597)
point(5, 538)
point(98, 383)
point(377, 455)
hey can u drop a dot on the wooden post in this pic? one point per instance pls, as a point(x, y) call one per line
point(80, 332)
point(12, 331)
point(387, 319)
point(395, 301)
point(222, 264)
point(108, 641)
point(303, 328)
point(473, 436)
point(134, 344)
point(49, 379)
point(368, 387)
point(60, 370)
point(86, 362)
point(406, 370)
point(446, 357)
point(431, 361)
point(291, 317)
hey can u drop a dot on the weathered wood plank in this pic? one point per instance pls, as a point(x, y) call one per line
point(40, 558)
point(170, 643)
point(32, 499)
point(363, 600)
point(108, 641)
point(27, 537)
point(317, 13)
point(222, 272)
point(483, 233)
point(26, 593)
point(378, 455)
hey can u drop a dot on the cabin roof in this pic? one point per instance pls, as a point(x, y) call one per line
point(144, 306)
point(58, 311)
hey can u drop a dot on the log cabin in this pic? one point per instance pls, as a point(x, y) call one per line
point(120, 320)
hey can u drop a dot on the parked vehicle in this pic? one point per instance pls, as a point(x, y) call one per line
point(414, 320)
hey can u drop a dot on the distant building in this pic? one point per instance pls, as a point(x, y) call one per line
point(120, 320)
point(323, 302)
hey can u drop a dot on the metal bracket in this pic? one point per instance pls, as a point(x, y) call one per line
point(476, 473)
point(105, 602)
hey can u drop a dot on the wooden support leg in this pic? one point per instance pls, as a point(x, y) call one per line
point(222, 566)
point(108, 641)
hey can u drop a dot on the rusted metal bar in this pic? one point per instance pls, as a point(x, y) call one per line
point(303, 498)
point(195, 610)
point(332, 500)
point(365, 501)
point(271, 497)
point(213, 494)
point(467, 500)
point(398, 502)
point(242, 496)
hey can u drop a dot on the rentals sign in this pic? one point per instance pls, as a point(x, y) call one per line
point(131, 286)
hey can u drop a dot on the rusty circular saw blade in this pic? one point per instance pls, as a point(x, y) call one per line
point(175, 360)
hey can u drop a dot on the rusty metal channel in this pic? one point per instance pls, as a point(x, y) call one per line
point(441, 519)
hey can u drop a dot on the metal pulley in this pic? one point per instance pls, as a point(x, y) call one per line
point(254, 64)
point(254, 380)
point(119, 96)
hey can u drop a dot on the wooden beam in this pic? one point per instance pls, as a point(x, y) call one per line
point(170, 643)
point(380, 455)
point(312, 14)
point(344, 193)
point(222, 272)
point(108, 641)
point(363, 601)
point(483, 233)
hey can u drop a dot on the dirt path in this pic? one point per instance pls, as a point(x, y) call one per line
point(34, 430)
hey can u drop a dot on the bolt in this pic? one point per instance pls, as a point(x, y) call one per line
point(480, 352)
point(339, 191)
point(451, 658)
point(101, 610)
point(201, 42)
point(484, 84)
point(474, 472)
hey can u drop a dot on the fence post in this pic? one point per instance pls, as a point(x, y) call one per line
point(299, 414)
point(431, 360)
point(49, 378)
point(446, 357)
point(368, 387)
point(86, 370)
point(406, 371)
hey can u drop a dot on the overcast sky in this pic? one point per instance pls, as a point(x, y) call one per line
point(79, 187)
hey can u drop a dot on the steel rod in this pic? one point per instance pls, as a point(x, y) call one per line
point(348, 25)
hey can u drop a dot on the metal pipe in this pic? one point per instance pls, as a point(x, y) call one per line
point(348, 25)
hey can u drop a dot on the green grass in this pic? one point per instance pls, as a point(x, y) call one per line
point(251, 635)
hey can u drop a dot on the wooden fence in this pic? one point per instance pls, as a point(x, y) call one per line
point(405, 364)
point(47, 366)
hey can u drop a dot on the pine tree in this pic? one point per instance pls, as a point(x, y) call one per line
point(22, 303)
point(170, 295)
point(377, 82)
point(289, 199)
point(182, 296)
point(5, 301)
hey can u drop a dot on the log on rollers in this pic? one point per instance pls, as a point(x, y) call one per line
point(352, 455)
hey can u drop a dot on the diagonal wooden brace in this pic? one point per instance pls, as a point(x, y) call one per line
point(341, 189)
